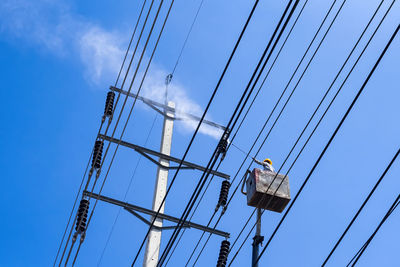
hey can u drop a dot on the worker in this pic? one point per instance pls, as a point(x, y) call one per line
point(267, 164)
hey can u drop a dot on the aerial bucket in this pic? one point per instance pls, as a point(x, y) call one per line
point(264, 195)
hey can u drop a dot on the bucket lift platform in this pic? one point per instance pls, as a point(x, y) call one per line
point(267, 190)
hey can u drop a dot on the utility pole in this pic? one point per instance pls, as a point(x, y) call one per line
point(165, 162)
point(154, 238)
point(257, 240)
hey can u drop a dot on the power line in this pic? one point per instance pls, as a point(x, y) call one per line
point(140, 87)
point(265, 124)
point(331, 138)
point(326, 110)
point(187, 37)
point(268, 72)
point(130, 42)
point(130, 87)
point(87, 166)
point(232, 143)
point(234, 178)
point(361, 251)
point(198, 126)
point(203, 179)
point(361, 208)
point(177, 61)
point(319, 120)
point(126, 192)
point(244, 117)
point(231, 124)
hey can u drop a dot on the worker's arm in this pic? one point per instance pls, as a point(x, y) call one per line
point(258, 162)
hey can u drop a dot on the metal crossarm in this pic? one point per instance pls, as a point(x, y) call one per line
point(155, 105)
point(137, 215)
point(133, 208)
point(146, 152)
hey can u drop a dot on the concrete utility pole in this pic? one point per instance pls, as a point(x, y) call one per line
point(154, 238)
point(164, 161)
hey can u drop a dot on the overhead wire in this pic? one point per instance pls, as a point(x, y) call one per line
point(237, 130)
point(126, 192)
point(361, 251)
point(140, 87)
point(167, 84)
point(199, 124)
point(331, 139)
point(130, 87)
point(87, 166)
point(360, 209)
point(326, 110)
point(135, 100)
point(231, 141)
point(271, 113)
point(115, 127)
point(317, 123)
point(187, 37)
point(231, 124)
point(130, 42)
point(269, 71)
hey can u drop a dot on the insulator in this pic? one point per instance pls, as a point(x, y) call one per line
point(168, 79)
point(223, 253)
point(223, 144)
point(97, 154)
point(223, 194)
point(82, 216)
point(108, 109)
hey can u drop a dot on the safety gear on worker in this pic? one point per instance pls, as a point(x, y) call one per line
point(267, 164)
point(268, 160)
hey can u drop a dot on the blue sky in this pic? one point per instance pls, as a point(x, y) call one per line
point(58, 59)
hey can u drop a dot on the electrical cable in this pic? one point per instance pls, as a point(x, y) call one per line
point(314, 129)
point(140, 87)
point(331, 138)
point(328, 105)
point(138, 65)
point(176, 63)
point(187, 37)
point(130, 43)
point(232, 121)
point(87, 166)
point(231, 143)
point(269, 70)
point(201, 120)
point(285, 103)
point(127, 190)
point(361, 251)
point(360, 209)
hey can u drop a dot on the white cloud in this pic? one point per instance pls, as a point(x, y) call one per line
point(101, 53)
point(50, 25)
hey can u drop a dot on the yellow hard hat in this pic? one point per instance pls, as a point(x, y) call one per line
point(268, 160)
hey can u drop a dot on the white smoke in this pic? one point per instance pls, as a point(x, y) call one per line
point(154, 88)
